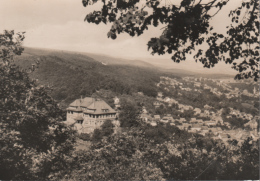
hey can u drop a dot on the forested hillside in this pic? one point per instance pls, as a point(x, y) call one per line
point(72, 75)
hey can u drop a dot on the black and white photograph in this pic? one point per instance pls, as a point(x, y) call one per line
point(124, 90)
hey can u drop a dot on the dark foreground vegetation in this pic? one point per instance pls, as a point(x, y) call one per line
point(36, 145)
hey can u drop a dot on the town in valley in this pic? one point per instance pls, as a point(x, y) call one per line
point(217, 120)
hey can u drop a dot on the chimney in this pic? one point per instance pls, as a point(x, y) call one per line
point(81, 98)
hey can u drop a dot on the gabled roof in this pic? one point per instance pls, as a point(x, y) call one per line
point(186, 125)
point(223, 135)
point(196, 126)
point(87, 101)
point(156, 103)
point(92, 105)
point(169, 118)
point(157, 116)
point(204, 127)
point(210, 122)
point(213, 129)
point(78, 109)
point(219, 129)
point(99, 106)
point(82, 102)
point(75, 103)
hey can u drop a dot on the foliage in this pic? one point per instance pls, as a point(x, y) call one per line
point(84, 136)
point(187, 26)
point(34, 143)
point(129, 115)
point(118, 157)
point(235, 122)
point(135, 155)
point(67, 72)
point(163, 133)
point(107, 129)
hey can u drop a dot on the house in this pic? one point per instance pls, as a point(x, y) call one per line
point(89, 113)
point(197, 111)
point(159, 95)
point(166, 119)
point(156, 104)
point(223, 137)
point(186, 126)
point(254, 136)
point(206, 112)
point(181, 120)
point(210, 123)
point(204, 130)
point(207, 107)
point(219, 130)
point(145, 117)
point(218, 119)
point(193, 120)
point(200, 121)
point(213, 130)
point(180, 127)
point(252, 124)
point(195, 127)
point(157, 117)
point(244, 137)
point(167, 99)
point(144, 111)
point(140, 93)
point(153, 123)
point(117, 102)
point(172, 124)
point(227, 124)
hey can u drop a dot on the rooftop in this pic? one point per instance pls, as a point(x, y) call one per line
point(91, 105)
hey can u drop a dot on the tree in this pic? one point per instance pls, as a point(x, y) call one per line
point(117, 157)
point(34, 143)
point(129, 115)
point(187, 26)
point(107, 129)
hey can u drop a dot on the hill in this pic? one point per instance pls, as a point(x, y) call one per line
point(72, 75)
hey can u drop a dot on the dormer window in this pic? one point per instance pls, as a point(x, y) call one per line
point(105, 110)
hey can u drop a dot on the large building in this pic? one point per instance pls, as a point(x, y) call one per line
point(89, 113)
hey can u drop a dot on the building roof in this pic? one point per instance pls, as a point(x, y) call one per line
point(157, 116)
point(156, 103)
point(219, 129)
point(210, 122)
point(196, 126)
point(200, 120)
point(213, 129)
point(204, 127)
point(223, 135)
point(182, 119)
point(82, 102)
point(197, 109)
point(186, 125)
point(87, 101)
point(92, 105)
point(78, 109)
point(75, 103)
point(99, 107)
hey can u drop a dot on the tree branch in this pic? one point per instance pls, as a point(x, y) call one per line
point(252, 14)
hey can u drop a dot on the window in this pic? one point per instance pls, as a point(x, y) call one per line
point(104, 110)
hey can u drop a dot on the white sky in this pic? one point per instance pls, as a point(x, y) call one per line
point(59, 24)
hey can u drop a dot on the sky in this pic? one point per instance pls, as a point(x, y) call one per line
point(59, 24)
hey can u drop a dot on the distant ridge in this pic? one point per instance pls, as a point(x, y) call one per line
point(160, 64)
